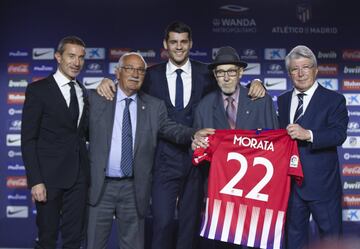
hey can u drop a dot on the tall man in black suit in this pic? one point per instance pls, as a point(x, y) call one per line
point(53, 147)
point(181, 83)
point(317, 118)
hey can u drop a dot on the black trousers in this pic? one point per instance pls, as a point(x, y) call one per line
point(64, 212)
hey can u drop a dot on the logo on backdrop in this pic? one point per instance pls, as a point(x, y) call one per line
point(275, 68)
point(328, 69)
point(43, 53)
point(15, 167)
point(14, 125)
point(329, 83)
point(326, 55)
point(18, 68)
point(116, 53)
point(94, 68)
point(275, 83)
point(249, 54)
point(303, 12)
point(18, 53)
point(17, 211)
point(353, 127)
point(14, 111)
point(274, 53)
point(351, 170)
point(351, 215)
point(351, 200)
point(13, 140)
point(351, 54)
point(95, 53)
point(252, 69)
point(92, 82)
point(351, 84)
point(350, 156)
point(16, 182)
point(354, 185)
point(16, 98)
point(18, 83)
point(14, 153)
point(352, 99)
point(351, 69)
point(352, 142)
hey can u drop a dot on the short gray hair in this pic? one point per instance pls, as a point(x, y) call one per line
point(297, 52)
point(121, 60)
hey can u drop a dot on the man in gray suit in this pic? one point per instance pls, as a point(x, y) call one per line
point(230, 107)
point(123, 138)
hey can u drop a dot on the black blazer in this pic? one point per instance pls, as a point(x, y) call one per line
point(172, 157)
point(53, 149)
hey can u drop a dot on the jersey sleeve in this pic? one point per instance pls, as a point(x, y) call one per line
point(295, 168)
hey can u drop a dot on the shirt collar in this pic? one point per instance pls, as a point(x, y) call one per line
point(308, 92)
point(61, 79)
point(171, 68)
point(121, 95)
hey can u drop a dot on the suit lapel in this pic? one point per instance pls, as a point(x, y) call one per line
point(220, 120)
point(310, 112)
point(141, 119)
point(58, 99)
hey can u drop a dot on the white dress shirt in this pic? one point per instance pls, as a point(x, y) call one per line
point(306, 100)
point(186, 78)
point(63, 83)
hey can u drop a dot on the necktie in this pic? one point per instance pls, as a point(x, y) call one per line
point(126, 145)
point(231, 112)
point(299, 109)
point(179, 96)
point(74, 104)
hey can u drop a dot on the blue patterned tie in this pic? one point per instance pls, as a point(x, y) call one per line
point(126, 145)
point(179, 95)
point(74, 104)
point(299, 109)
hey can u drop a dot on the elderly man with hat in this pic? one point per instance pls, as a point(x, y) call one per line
point(230, 107)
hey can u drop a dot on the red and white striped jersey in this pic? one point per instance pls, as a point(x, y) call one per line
point(249, 186)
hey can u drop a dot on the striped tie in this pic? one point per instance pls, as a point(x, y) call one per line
point(126, 145)
point(299, 109)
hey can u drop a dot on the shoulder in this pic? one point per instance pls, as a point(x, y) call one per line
point(329, 93)
point(199, 66)
point(209, 98)
point(156, 68)
point(148, 99)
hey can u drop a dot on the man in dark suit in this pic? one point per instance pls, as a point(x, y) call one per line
point(53, 146)
point(230, 107)
point(317, 118)
point(123, 138)
point(181, 83)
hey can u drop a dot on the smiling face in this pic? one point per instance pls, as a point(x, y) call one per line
point(227, 77)
point(178, 46)
point(131, 74)
point(71, 60)
point(303, 73)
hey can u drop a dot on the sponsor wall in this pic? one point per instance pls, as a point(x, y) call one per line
point(262, 33)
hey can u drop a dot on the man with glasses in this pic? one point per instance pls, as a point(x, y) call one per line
point(317, 118)
point(230, 107)
point(181, 82)
point(123, 138)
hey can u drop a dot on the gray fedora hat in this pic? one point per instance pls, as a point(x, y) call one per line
point(227, 55)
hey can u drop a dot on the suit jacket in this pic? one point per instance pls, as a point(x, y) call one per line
point(327, 117)
point(250, 114)
point(173, 160)
point(152, 120)
point(53, 148)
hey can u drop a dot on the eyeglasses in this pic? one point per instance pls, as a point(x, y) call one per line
point(230, 73)
point(304, 69)
point(130, 70)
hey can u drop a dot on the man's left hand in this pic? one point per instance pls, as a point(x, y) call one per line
point(295, 131)
point(257, 90)
point(199, 139)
